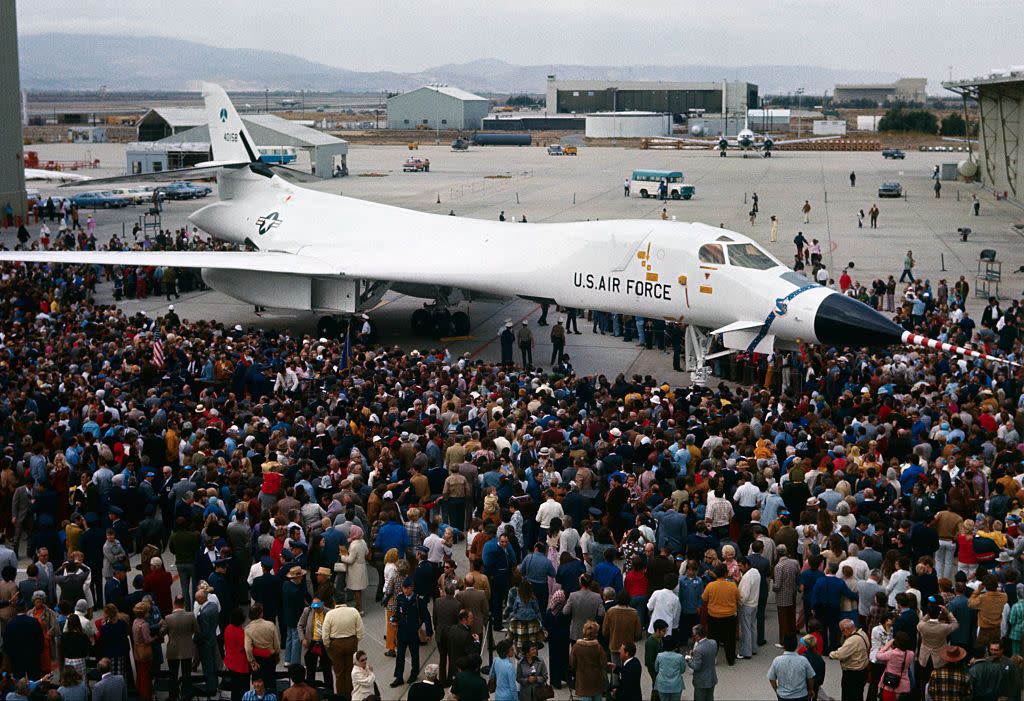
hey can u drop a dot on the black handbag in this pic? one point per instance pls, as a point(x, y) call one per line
point(892, 681)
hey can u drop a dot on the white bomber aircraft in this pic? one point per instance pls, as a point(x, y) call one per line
point(337, 255)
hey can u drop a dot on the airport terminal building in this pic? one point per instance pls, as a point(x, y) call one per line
point(590, 96)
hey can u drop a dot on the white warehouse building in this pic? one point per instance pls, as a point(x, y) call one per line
point(628, 125)
point(437, 107)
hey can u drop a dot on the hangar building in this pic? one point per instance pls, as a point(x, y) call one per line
point(1000, 99)
point(903, 90)
point(437, 107)
point(183, 146)
point(590, 96)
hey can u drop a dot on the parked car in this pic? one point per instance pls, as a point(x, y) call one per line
point(559, 150)
point(416, 165)
point(136, 195)
point(890, 189)
point(99, 200)
point(184, 190)
point(893, 153)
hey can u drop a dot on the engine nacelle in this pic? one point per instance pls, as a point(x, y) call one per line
point(286, 291)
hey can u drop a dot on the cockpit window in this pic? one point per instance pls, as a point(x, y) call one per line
point(712, 253)
point(747, 255)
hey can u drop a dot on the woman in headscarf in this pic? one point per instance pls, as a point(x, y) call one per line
point(355, 562)
point(557, 625)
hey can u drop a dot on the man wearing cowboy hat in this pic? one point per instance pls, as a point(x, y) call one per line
point(951, 682)
point(294, 597)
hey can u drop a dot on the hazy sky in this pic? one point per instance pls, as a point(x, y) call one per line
point(909, 37)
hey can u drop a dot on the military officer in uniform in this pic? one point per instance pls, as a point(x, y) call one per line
point(407, 614)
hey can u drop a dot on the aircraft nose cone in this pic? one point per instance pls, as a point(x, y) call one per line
point(843, 321)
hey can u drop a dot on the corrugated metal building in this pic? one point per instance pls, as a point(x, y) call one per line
point(903, 90)
point(12, 157)
point(161, 122)
point(590, 96)
point(437, 107)
point(1000, 99)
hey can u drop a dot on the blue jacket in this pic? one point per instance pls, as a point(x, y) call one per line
point(671, 529)
point(690, 591)
point(829, 592)
point(392, 535)
point(608, 574)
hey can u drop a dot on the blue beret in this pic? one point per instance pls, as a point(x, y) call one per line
point(407, 582)
point(298, 544)
point(267, 561)
point(117, 510)
point(119, 567)
point(91, 517)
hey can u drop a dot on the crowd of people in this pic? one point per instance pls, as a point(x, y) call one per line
point(190, 494)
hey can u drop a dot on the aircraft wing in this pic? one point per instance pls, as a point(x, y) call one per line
point(53, 176)
point(783, 142)
point(202, 172)
point(260, 261)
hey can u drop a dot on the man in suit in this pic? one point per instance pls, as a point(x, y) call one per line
point(702, 662)
point(207, 617)
point(266, 590)
point(461, 641)
point(115, 591)
point(475, 601)
point(23, 644)
point(110, 687)
point(21, 512)
point(446, 617)
point(179, 627)
point(629, 671)
point(671, 527)
point(239, 537)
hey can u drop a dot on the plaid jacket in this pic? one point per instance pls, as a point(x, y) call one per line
point(950, 683)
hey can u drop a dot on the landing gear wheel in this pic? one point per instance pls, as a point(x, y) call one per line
point(328, 327)
point(441, 320)
point(460, 323)
point(421, 322)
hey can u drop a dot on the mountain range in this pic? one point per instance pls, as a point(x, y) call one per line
point(89, 61)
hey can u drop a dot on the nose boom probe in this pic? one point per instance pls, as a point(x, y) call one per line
point(919, 340)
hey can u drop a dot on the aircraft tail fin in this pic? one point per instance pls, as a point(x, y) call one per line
point(229, 139)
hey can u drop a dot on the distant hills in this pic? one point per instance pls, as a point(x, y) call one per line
point(89, 61)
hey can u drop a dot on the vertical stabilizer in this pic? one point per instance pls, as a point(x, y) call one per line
point(230, 141)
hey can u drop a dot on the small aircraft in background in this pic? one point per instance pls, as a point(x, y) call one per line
point(749, 140)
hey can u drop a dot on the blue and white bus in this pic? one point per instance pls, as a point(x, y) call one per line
point(277, 154)
point(646, 182)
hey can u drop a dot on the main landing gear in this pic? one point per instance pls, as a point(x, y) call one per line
point(439, 322)
point(330, 327)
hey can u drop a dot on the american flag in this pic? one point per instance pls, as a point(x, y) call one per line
point(158, 352)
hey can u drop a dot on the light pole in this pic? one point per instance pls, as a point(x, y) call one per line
point(799, 123)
